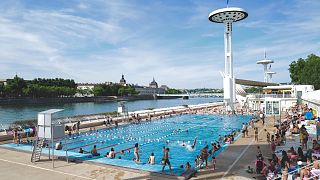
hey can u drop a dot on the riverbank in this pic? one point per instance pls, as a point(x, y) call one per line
point(28, 100)
point(10, 114)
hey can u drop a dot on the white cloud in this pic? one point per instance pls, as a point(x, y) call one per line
point(97, 41)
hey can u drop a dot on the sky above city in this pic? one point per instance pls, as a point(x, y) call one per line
point(171, 40)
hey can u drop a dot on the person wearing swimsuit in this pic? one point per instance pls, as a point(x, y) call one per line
point(166, 161)
point(136, 150)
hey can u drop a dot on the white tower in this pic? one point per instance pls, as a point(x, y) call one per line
point(228, 16)
point(265, 63)
point(269, 74)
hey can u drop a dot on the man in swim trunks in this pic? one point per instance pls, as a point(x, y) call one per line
point(94, 151)
point(204, 155)
point(136, 150)
point(166, 161)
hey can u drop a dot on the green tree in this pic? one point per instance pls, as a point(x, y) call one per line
point(2, 90)
point(306, 71)
point(121, 91)
point(173, 91)
point(14, 87)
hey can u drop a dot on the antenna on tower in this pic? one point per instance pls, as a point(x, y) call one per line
point(265, 53)
point(227, 3)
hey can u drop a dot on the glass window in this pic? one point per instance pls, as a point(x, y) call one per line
point(276, 107)
point(268, 107)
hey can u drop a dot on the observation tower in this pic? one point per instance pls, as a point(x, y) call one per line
point(269, 74)
point(227, 16)
point(265, 63)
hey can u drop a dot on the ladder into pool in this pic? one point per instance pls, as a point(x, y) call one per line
point(37, 149)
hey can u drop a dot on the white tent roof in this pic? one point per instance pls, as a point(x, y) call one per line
point(312, 96)
point(51, 111)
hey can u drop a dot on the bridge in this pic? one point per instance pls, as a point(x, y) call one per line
point(187, 96)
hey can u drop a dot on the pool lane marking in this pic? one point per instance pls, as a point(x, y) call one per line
point(238, 158)
point(129, 141)
point(96, 142)
point(50, 170)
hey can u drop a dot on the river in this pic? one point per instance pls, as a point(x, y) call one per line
point(9, 114)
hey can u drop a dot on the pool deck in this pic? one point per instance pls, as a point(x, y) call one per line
point(233, 161)
point(17, 165)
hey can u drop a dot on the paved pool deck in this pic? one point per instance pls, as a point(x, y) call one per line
point(233, 161)
point(17, 165)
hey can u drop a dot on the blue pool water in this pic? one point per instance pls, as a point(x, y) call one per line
point(152, 136)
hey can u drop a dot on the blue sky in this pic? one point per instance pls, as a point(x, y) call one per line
point(171, 40)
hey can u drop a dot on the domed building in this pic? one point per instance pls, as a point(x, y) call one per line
point(153, 84)
point(152, 89)
point(123, 81)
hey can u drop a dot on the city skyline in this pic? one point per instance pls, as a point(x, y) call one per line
point(173, 41)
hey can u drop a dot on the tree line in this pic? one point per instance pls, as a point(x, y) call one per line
point(173, 91)
point(40, 87)
point(306, 71)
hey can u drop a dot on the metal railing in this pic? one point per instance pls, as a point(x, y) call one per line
point(271, 96)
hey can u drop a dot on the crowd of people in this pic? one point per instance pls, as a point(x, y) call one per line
point(299, 162)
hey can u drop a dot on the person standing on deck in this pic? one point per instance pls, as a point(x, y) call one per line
point(78, 126)
point(256, 138)
point(166, 161)
point(244, 129)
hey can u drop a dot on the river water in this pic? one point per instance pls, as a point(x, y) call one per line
point(9, 114)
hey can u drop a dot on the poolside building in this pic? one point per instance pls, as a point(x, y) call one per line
point(277, 98)
point(152, 89)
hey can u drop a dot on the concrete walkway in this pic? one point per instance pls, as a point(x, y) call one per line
point(233, 161)
point(17, 165)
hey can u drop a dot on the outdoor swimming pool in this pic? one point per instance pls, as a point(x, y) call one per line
point(152, 136)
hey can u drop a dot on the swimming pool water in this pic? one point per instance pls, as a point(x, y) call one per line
point(152, 136)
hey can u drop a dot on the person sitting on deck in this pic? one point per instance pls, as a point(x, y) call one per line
point(59, 146)
point(292, 151)
point(315, 146)
point(112, 155)
point(151, 159)
point(188, 166)
point(94, 151)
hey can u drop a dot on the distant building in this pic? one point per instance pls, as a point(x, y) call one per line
point(151, 90)
point(123, 81)
point(165, 87)
point(153, 84)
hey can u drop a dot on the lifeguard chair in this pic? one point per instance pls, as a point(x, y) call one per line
point(48, 132)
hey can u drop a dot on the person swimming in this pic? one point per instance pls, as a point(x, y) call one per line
point(194, 143)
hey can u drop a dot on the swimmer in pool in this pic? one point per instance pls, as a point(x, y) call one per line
point(194, 143)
